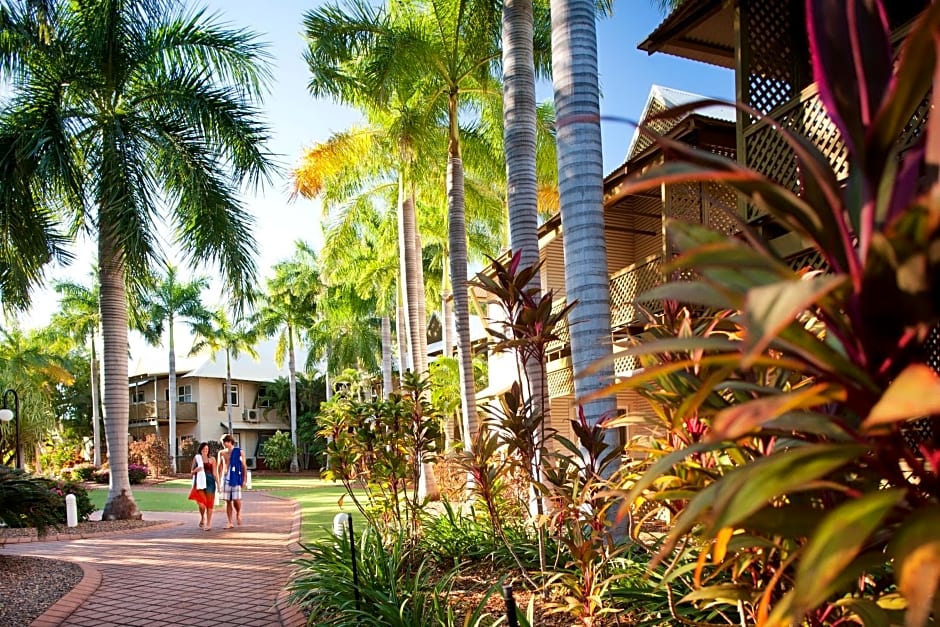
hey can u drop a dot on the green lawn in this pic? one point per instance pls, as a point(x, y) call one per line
point(318, 499)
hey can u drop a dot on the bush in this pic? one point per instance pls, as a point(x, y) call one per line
point(137, 473)
point(151, 452)
point(82, 472)
point(103, 474)
point(278, 451)
point(28, 501)
point(60, 456)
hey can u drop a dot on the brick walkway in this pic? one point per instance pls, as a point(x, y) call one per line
point(181, 575)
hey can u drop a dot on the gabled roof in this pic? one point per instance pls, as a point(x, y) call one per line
point(244, 367)
point(702, 30)
point(662, 98)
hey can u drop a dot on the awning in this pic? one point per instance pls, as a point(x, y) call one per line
point(239, 425)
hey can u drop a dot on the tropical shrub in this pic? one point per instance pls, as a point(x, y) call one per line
point(380, 445)
point(82, 472)
point(58, 456)
point(103, 474)
point(397, 585)
point(152, 452)
point(278, 451)
point(29, 501)
point(137, 473)
point(787, 392)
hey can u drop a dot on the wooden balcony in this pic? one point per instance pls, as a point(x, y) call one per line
point(160, 411)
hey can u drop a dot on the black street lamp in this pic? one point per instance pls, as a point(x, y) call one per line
point(6, 415)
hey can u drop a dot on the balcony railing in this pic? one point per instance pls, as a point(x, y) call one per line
point(160, 410)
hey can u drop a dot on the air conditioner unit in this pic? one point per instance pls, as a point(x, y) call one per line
point(251, 415)
point(251, 463)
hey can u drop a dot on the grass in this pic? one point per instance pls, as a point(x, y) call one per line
point(318, 499)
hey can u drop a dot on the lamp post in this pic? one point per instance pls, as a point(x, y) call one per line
point(7, 415)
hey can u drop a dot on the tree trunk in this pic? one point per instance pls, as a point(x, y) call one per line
point(171, 401)
point(292, 370)
point(403, 270)
point(95, 413)
point(386, 357)
point(414, 282)
point(519, 134)
point(457, 240)
point(580, 186)
point(401, 329)
point(447, 311)
point(120, 503)
point(228, 390)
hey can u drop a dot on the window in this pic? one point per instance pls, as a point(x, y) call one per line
point(184, 394)
point(263, 399)
point(233, 394)
point(137, 396)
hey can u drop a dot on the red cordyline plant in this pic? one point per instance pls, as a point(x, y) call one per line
point(818, 511)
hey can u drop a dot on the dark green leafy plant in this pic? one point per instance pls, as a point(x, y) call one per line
point(813, 506)
point(278, 451)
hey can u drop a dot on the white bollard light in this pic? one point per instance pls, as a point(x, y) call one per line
point(248, 480)
point(71, 511)
point(340, 524)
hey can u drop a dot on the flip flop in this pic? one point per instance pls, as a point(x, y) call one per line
point(229, 526)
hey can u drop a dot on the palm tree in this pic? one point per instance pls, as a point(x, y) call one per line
point(580, 187)
point(167, 302)
point(119, 103)
point(289, 307)
point(221, 334)
point(80, 317)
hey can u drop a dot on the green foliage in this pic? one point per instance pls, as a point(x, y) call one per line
point(398, 586)
point(82, 472)
point(380, 445)
point(59, 456)
point(28, 501)
point(786, 392)
point(278, 451)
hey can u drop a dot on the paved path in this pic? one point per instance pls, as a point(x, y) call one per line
point(180, 574)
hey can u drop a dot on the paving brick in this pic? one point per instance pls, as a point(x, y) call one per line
point(178, 574)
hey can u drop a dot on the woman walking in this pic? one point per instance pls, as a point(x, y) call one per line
point(205, 479)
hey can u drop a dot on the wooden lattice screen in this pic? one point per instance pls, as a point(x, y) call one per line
point(629, 283)
point(560, 382)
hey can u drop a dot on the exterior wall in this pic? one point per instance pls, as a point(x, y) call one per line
point(205, 418)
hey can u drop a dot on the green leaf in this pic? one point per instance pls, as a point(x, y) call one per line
point(916, 552)
point(771, 308)
point(841, 536)
point(724, 593)
point(810, 422)
point(746, 490)
point(866, 611)
point(914, 393)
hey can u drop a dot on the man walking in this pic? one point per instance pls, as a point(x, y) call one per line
point(232, 471)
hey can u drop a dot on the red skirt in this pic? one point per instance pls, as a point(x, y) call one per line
point(203, 497)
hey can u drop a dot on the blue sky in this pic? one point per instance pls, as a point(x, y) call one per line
point(298, 120)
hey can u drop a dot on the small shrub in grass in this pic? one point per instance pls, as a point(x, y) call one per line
point(136, 473)
point(397, 585)
point(82, 472)
point(278, 451)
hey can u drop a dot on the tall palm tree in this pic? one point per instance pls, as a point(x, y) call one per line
point(122, 102)
point(220, 333)
point(80, 317)
point(168, 301)
point(580, 187)
point(290, 306)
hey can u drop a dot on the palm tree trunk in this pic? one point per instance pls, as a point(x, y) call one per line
point(414, 282)
point(228, 390)
point(172, 394)
point(386, 356)
point(447, 311)
point(120, 504)
point(405, 239)
point(401, 329)
point(292, 370)
point(580, 186)
point(95, 413)
point(519, 134)
point(457, 240)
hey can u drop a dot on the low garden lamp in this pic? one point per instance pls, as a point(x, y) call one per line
point(6, 415)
